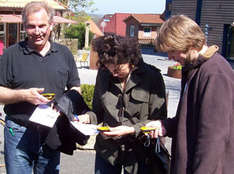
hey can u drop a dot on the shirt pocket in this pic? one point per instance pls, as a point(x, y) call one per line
point(139, 96)
point(62, 76)
point(138, 103)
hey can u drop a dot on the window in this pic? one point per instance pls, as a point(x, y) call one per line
point(132, 30)
point(232, 43)
point(1, 27)
point(147, 31)
point(2, 33)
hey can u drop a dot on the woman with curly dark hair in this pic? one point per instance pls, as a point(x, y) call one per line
point(128, 94)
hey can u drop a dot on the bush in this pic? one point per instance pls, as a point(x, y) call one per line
point(87, 93)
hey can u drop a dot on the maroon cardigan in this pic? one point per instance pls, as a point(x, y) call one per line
point(203, 129)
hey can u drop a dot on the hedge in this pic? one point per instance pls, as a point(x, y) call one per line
point(87, 93)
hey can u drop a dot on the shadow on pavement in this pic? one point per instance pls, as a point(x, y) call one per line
point(150, 51)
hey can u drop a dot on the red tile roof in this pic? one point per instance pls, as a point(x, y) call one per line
point(21, 3)
point(94, 28)
point(147, 18)
point(62, 20)
point(12, 18)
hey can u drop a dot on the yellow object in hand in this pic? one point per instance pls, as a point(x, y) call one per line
point(146, 129)
point(103, 128)
point(49, 96)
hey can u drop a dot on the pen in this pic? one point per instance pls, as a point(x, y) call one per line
point(76, 117)
point(11, 131)
point(2, 122)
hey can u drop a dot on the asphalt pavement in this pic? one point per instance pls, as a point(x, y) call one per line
point(82, 161)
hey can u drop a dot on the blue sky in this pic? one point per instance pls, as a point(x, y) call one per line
point(129, 6)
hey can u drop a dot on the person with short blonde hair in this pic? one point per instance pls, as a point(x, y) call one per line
point(180, 33)
point(202, 131)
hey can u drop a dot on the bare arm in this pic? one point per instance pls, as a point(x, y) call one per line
point(31, 95)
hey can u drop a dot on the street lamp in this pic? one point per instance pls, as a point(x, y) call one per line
point(103, 24)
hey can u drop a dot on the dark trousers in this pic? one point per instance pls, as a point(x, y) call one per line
point(104, 167)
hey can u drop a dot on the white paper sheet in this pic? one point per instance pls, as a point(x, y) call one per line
point(44, 115)
point(86, 129)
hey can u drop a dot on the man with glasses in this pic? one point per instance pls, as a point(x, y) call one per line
point(29, 68)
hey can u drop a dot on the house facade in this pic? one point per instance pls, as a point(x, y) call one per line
point(11, 28)
point(143, 27)
point(215, 17)
point(114, 23)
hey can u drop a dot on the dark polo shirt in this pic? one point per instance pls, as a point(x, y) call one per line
point(23, 68)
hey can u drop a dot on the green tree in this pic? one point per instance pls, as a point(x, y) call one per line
point(77, 32)
point(81, 5)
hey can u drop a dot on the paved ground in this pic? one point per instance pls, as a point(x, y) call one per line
point(83, 160)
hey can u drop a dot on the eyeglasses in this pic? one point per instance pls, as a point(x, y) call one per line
point(40, 28)
point(116, 69)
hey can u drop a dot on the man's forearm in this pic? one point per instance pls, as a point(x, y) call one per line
point(9, 96)
point(31, 95)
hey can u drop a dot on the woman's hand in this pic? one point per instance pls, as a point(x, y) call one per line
point(119, 131)
point(159, 131)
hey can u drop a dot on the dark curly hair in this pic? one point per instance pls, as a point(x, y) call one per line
point(114, 49)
